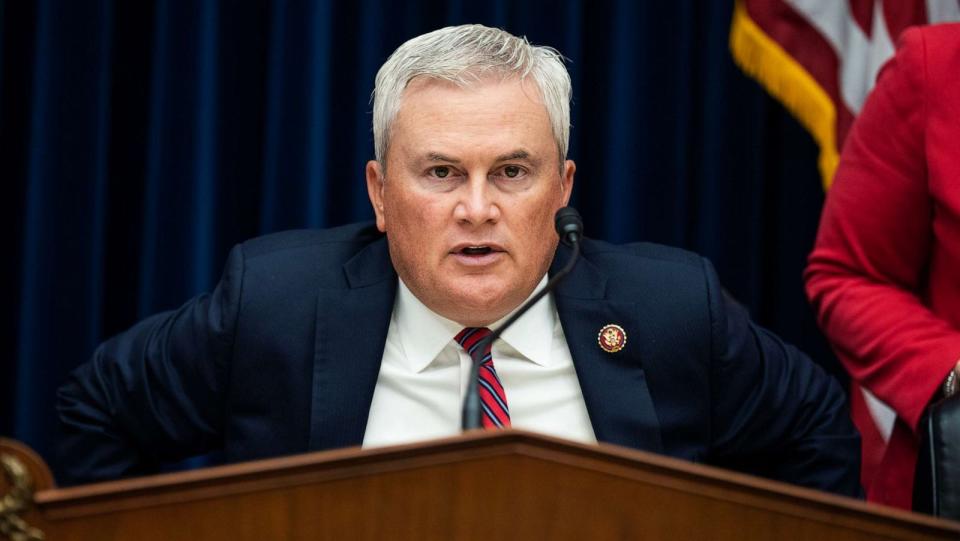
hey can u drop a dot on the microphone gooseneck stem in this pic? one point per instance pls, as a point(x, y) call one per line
point(471, 402)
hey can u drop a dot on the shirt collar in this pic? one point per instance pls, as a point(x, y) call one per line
point(532, 334)
point(424, 333)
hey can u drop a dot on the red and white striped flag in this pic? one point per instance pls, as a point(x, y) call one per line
point(821, 57)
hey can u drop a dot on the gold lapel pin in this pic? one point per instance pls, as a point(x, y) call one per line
point(612, 338)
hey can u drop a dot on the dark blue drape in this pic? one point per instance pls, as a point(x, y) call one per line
point(140, 140)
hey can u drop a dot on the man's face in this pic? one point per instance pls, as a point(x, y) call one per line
point(471, 188)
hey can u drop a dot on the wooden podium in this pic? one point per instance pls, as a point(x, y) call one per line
point(485, 485)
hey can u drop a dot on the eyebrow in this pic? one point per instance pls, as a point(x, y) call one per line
point(515, 155)
point(437, 157)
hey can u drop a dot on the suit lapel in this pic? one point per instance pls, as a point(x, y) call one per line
point(614, 385)
point(351, 331)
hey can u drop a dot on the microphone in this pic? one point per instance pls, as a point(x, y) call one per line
point(569, 226)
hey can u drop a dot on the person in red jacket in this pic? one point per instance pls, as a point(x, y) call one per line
point(884, 276)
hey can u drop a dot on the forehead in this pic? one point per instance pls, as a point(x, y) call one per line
point(434, 111)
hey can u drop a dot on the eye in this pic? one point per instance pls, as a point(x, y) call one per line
point(512, 171)
point(441, 171)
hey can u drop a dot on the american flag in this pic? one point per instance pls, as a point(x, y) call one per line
point(821, 57)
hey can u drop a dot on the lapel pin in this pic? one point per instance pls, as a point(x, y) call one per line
point(612, 338)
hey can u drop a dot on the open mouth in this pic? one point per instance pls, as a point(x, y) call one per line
point(475, 250)
point(479, 254)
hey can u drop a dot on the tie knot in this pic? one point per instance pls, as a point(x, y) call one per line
point(470, 338)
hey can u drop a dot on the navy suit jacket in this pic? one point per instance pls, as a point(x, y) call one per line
point(283, 357)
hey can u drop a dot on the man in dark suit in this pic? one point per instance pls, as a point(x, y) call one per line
point(361, 335)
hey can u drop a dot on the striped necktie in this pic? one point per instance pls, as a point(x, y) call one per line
point(493, 400)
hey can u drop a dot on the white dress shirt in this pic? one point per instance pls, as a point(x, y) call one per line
point(423, 376)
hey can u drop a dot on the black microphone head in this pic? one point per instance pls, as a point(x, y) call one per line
point(569, 225)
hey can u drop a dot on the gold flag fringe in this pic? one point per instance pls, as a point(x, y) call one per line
point(783, 77)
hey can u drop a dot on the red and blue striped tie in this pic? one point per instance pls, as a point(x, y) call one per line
point(493, 401)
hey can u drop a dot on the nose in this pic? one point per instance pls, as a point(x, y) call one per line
point(477, 202)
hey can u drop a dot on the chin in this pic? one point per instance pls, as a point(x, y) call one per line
point(484, 309)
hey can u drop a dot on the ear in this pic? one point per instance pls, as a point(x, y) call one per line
point(566, 181)
point(375, 192)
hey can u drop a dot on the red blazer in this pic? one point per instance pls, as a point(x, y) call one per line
point(884, 276)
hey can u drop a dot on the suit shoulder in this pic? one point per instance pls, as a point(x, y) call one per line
point(935, 35)
point(346, 238)
point(306, 257)
point(643, 268)
point(637, 252)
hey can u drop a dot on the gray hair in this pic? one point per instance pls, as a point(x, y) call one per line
point(462, 55)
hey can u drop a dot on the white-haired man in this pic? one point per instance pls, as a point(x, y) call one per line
point(362, 335)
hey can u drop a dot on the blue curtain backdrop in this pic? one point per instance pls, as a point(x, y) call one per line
point(140, 140)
